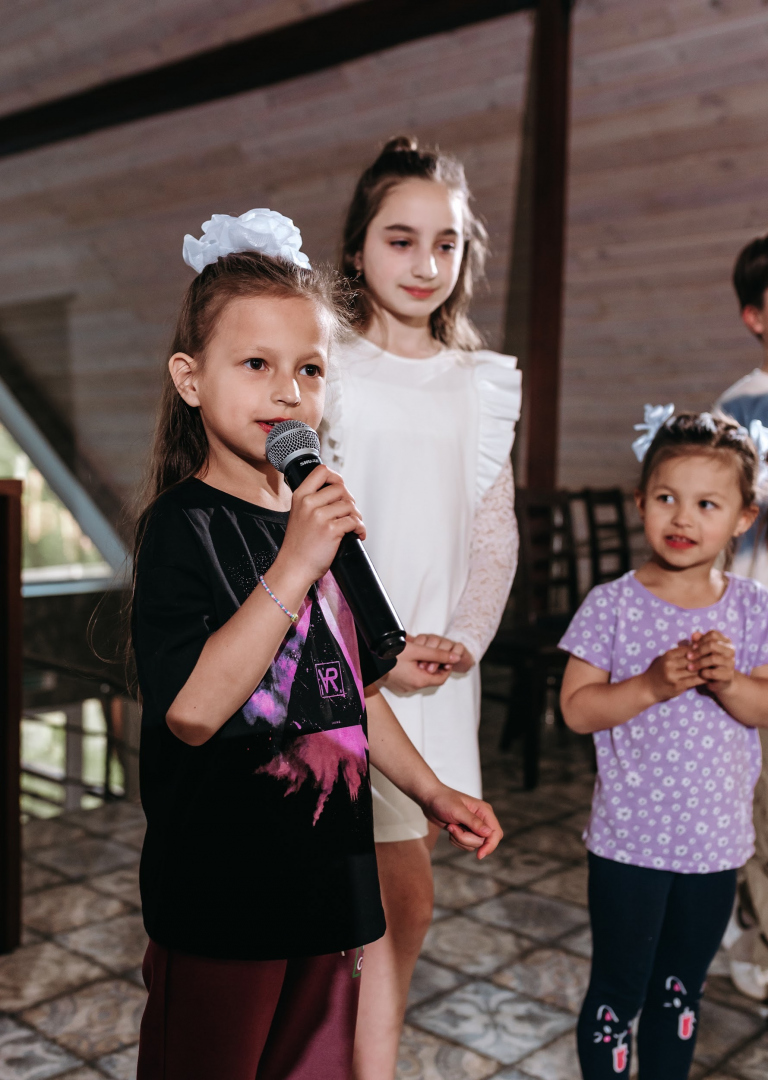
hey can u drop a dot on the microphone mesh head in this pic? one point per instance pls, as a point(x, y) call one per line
point(287, 437)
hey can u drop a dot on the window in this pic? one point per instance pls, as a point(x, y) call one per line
point(55, 548)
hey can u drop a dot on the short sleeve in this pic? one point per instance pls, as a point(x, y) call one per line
point(592, 631)
point(372, 668)
point(173, 609)
point(744, 408)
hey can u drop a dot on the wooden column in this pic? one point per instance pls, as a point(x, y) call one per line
point(10, 713)
point(549, 96)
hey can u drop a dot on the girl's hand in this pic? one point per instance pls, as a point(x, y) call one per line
point(322, 512)
point(435, 641)
point(672, 673)
point(420, 665)
point(470, 823)
point(714, 657)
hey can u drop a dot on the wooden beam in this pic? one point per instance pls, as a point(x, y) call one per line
point(551, 75)
point(300, 48)
point(10, 713)
point(517, 316)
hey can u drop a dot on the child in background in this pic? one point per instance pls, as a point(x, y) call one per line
point(422, 427)
point(747, 401)
point(669, 671)
point(258, 873)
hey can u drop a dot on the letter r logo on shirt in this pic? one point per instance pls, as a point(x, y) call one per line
point(330, 680)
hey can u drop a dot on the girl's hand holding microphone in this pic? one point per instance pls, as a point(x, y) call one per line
point(322, 513)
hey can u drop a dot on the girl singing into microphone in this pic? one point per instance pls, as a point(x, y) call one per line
point(258, 874)
point(421, 420)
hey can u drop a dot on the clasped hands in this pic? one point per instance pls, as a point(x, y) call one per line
point(427, 660)
point(706, 660)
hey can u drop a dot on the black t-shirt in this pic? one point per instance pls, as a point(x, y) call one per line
point(259, 843)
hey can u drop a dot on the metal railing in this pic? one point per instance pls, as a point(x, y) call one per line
point(64, 693)
point(10, 710)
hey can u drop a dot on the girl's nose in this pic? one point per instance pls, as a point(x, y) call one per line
point(426, 266)
point(288, 393)
point(681, 516)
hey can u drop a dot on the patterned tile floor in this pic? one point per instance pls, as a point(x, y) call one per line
point(496, 991)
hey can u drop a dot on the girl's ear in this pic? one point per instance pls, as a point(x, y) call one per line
point(640, 503)
point(746, 519)
point(183, 371)
point(358, 261)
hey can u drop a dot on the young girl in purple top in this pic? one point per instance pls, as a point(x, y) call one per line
point(669, 672)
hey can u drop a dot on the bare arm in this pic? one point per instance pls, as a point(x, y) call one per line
point(470, 823)
point(236, 657)
point(589, 702)
point(745, 697)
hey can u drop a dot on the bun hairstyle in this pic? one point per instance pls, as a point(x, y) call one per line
point(704, 433)
point(402, 159)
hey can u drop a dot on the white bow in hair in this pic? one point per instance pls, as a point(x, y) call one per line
point(655, 417)
point(257, 230)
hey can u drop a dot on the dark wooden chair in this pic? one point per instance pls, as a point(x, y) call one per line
point(609, 549)
point(544, 598)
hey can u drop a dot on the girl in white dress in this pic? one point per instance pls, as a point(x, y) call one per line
point(421, 422)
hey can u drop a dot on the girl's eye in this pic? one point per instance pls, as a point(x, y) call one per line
point(667, 499)
point(448, 245)
point(401, 243)
point(707, 504)
point(254, 363)
point(311, 370)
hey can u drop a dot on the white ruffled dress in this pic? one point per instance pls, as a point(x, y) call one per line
point(424, 447)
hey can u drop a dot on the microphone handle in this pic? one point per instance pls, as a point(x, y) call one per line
point(376, 618)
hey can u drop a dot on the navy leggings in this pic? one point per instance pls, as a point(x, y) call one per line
point(654, 936)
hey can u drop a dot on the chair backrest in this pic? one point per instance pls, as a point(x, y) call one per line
point(608, 535)
point(546, 582)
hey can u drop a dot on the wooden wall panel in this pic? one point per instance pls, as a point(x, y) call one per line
point(49, 49)
point(668, 180)
point(101, 219)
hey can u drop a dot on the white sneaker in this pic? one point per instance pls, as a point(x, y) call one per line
point(733, 931)
point(750, 979)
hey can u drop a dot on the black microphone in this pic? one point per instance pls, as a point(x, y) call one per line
point(293, 448)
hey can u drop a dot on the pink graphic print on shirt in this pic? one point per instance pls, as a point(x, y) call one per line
point(321, 758)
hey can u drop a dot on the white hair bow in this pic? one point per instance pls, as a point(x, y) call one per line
point(257, 230)
point(655, 417)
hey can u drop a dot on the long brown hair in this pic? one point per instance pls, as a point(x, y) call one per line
point(402, 159)
point(180, 448)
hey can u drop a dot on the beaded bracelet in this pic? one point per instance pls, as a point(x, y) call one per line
point(280, 604)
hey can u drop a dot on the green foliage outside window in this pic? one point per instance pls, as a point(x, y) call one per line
point(52, 536)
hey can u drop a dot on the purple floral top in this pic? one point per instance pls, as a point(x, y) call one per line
point(674, 784)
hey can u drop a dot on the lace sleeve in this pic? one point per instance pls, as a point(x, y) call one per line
point(492, 565)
